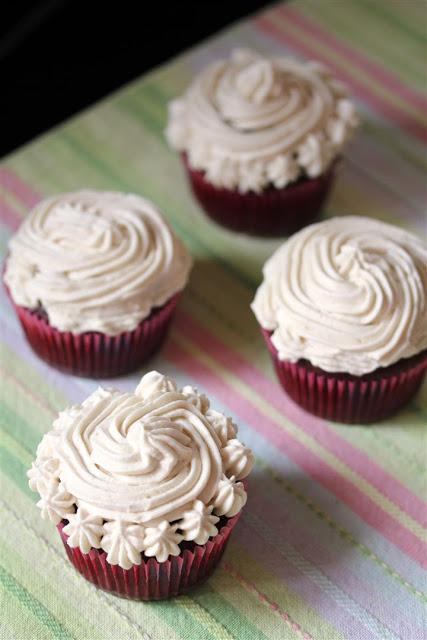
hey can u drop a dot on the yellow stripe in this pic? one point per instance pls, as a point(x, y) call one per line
point(303, 438)
point(197, 303)
point(194, 609)
point(288, 27)
point(12, 201)
point(204, 618)
point(24, 456)
point(256, 604)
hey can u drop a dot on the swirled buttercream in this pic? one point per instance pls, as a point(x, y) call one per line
point(348, 295)
point(95, 261)
point(250, 122)
point(138, 472)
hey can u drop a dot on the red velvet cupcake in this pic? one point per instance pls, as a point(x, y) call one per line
point(144, 487)
point(93, 354)
point(259, 138)
point(342, 309)
point(94, 278)
point(271, 212)
point(342, 397)
point(150, 579)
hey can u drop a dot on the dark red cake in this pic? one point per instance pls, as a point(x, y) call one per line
point(343, 397)
point(273, 212)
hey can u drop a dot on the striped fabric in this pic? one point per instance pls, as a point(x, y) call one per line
point(331, 544)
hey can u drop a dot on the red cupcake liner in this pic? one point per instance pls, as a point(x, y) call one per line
point(93, 354)
point(342, 397)
point(152, 580)
point(273, 212)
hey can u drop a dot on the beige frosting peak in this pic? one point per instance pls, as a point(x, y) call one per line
point(95, 261)
point(141, 471)
point(249, 122)
point(348, 294)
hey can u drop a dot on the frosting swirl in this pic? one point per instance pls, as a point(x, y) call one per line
point(348, 294)
point(95, 261)
point(250, 121)
point(138, 472)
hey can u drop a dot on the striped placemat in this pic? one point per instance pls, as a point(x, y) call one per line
point(331, 544)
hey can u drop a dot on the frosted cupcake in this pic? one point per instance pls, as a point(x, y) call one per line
point(260, 138)
point(343, 309)
point(145, 487)
point(94, 278)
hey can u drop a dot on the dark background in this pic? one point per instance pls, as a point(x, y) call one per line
point(58, 56)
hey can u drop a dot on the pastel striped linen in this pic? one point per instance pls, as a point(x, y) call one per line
point(332, 542)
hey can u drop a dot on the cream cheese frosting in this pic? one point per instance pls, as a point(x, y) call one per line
point(348, 295)
point(95, 261)
point(250, 122)
point(140, 472)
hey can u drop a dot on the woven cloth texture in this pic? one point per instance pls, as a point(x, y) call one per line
point(331, 543)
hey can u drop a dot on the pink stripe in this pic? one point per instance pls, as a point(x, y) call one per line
point(305, 587)
point(352, 578)
point(8, 216)
point(403, 536)
point(312, 594)
point(273, 606)
point(316, 427)
point(378, 73)
point(404, 120)
point(320, 471)
point(23, 192)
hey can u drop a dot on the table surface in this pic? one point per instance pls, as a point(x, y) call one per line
point(330, 544)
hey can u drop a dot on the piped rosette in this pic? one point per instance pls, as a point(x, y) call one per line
point(138, 474)
point(250, 122)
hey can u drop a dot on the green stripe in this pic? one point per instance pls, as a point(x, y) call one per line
point(396, 144)
point(20, 428)
point(47, 580)
point(18, 623)
point(121, 183)
point(55, 576)
point(51, 394)
point(16, 471)
point(399, 22)
point(12, 464)
point(373, 441)
point(155, 99)
point(151, 100)
point(405, 59)
point(19, 478)
point(179, 617)
point(232, 619)
point(337, 528)
point(32, 604)
point(83, 152)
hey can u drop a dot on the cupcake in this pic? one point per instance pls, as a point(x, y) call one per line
point(94, 278)
point(260, 139)
point(145, 487)
point(343, 309)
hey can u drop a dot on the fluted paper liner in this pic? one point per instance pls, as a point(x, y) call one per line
point(342, 397)
point(94, 354)
point(152, 580)
point(273, 212)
